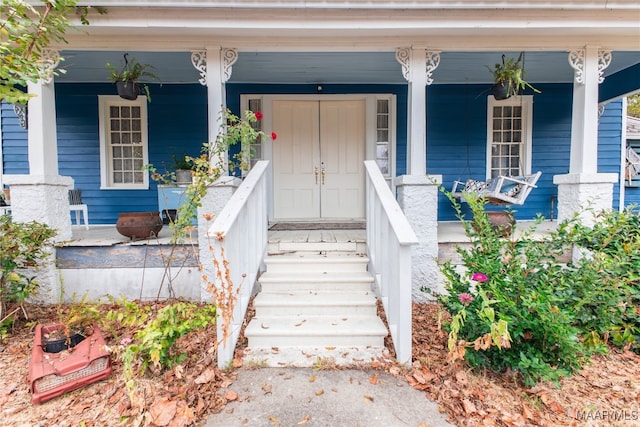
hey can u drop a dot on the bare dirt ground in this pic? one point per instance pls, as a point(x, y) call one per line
point(607, 392)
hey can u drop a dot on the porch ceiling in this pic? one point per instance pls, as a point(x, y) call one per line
point(332, 67)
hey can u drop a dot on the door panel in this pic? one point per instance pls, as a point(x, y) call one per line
point(327, 135)
point(342, 147)
point(295, 155)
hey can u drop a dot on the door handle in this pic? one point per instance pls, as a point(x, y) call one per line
point(324, 172)
point(315, 171)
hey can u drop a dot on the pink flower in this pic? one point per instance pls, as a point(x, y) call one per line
point(479, 277)
point(259, 115)
point(126, 341)
point(274, 136)
point(465, 298)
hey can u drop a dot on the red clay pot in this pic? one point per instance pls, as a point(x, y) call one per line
point(140, 225)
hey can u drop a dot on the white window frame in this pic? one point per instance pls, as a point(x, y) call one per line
point(104, 103)
point(526, 102)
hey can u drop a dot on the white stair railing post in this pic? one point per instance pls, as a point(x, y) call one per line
point(240, 232)
point(389, 242)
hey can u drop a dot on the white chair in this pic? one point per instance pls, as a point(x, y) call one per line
point(76, 205)
point(501, 190)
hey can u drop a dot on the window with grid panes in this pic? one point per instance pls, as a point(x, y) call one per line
point(124, 142)
point(509, 137)
point(383, 136)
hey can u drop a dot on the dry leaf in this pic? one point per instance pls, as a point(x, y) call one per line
point(207, 376)
point(305, 420)
point(313, 378)
point(468, 406)
point(230, 395)
point(267, 388)
point(369, 398)
point(319, 392)
point(274, 420)
point(330, 348)
point(162, 411)
point(184, 416)
point(374, 379)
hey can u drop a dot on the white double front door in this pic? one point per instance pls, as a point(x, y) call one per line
point(318, 169)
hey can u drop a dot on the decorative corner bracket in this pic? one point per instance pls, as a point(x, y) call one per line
point(577, 58)
point(199, 62)
point(403, 55)
point(229, 57)
point(50, 59)
point(21, 111)
point(433, 60)
point(604, 60)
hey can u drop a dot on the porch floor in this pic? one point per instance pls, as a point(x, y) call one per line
point(107, 235)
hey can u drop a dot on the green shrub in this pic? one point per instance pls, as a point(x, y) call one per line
point(152, 345)
point(22, 247)
point(518, 306)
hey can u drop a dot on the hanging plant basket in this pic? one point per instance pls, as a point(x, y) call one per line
point(128, 90)
point(500, 91)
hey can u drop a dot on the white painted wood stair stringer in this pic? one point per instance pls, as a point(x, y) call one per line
point(316, 303)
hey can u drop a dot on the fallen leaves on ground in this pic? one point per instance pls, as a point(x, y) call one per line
point(179, 397)
point(609, 387)
point(605, 392)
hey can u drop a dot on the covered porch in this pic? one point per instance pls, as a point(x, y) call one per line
point(84, 258)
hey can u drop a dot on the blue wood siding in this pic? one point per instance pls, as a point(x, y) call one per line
point(610, 144)
point(14, 142)
point(177, 123)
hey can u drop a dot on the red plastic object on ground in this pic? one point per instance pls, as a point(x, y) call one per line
point(53, 374)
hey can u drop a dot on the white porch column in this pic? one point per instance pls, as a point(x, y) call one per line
point(583, 186)
point(215, 67)
point(43, 194)
point(417, 191)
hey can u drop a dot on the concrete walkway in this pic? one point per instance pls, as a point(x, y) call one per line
point(285, 397)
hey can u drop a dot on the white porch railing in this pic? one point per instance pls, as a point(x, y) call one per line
point(389, 241)
point(243, 224)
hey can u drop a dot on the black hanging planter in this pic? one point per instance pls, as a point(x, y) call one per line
point(500, 90)
point(128, 90)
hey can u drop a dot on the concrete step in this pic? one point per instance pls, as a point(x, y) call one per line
point(315, 303)
point(313, 357)
point(287, 247)
point(316, 331)
point(353, 281)
point(309, 262)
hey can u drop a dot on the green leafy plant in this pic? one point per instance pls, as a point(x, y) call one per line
point(556, 309)
point(131, 73)
point(152, 346)
point(27, 31)
point(510, 73)
point(209, 166)
point(23, 247)
point(518, 285)
point(182, 162)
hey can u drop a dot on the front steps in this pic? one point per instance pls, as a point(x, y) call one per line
point(316, 306)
